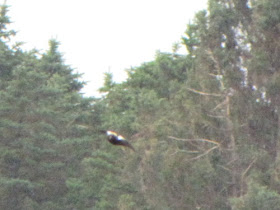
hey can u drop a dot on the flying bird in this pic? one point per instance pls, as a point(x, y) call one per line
point(117, 139)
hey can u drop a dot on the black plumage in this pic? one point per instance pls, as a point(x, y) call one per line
point(117, 139)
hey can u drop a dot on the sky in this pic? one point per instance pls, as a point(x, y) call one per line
point(98, 36)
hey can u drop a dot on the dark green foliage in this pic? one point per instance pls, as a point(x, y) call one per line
point(40, 114)
point(258, 197)
point(217, 104)
point(205, 126)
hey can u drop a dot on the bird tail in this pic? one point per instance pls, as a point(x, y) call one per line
point(127, 144)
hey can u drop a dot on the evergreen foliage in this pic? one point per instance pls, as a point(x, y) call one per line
point(205, 125)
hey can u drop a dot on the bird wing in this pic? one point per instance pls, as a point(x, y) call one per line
point(121, 138)
point(111, 133)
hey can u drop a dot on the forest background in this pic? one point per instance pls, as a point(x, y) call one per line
point(205, 126)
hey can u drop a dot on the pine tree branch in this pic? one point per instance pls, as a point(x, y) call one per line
point(204, 93)
point(205, 153)
point(230, 162)
point(215, 75)
point(219, 105)
point(248, 168)
point(244, 173)
point(216, 116)
point(225, 168)
point(191, 140)
point(217, 65)
point(185, 151)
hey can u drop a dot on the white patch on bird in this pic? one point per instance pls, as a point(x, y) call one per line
point(121, 138)
point(111, 133)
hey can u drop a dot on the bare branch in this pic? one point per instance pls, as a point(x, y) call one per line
point(191, 140)
point(215, 75)
point(216, 116)
point(225, 168)
point(232, 161)
point(219, 105)
point(217, 65)
point(244, 173)
point(205, 153)
point(203, 93)
point(185, 151)
point(248, 168)
point(196, 140)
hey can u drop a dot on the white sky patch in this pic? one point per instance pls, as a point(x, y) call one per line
point(101, 36)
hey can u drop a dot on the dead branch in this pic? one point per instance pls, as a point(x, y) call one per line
point(205, 153)
point(185, 151)
point(232, 161)
point(196, 140)
point(204, 93)
point(219, 105)
point(191, 140)
point(217, 65)
point(244, 173)
point(213, 75)
point(216, 116)
point(225, 168)
point(248, 168)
